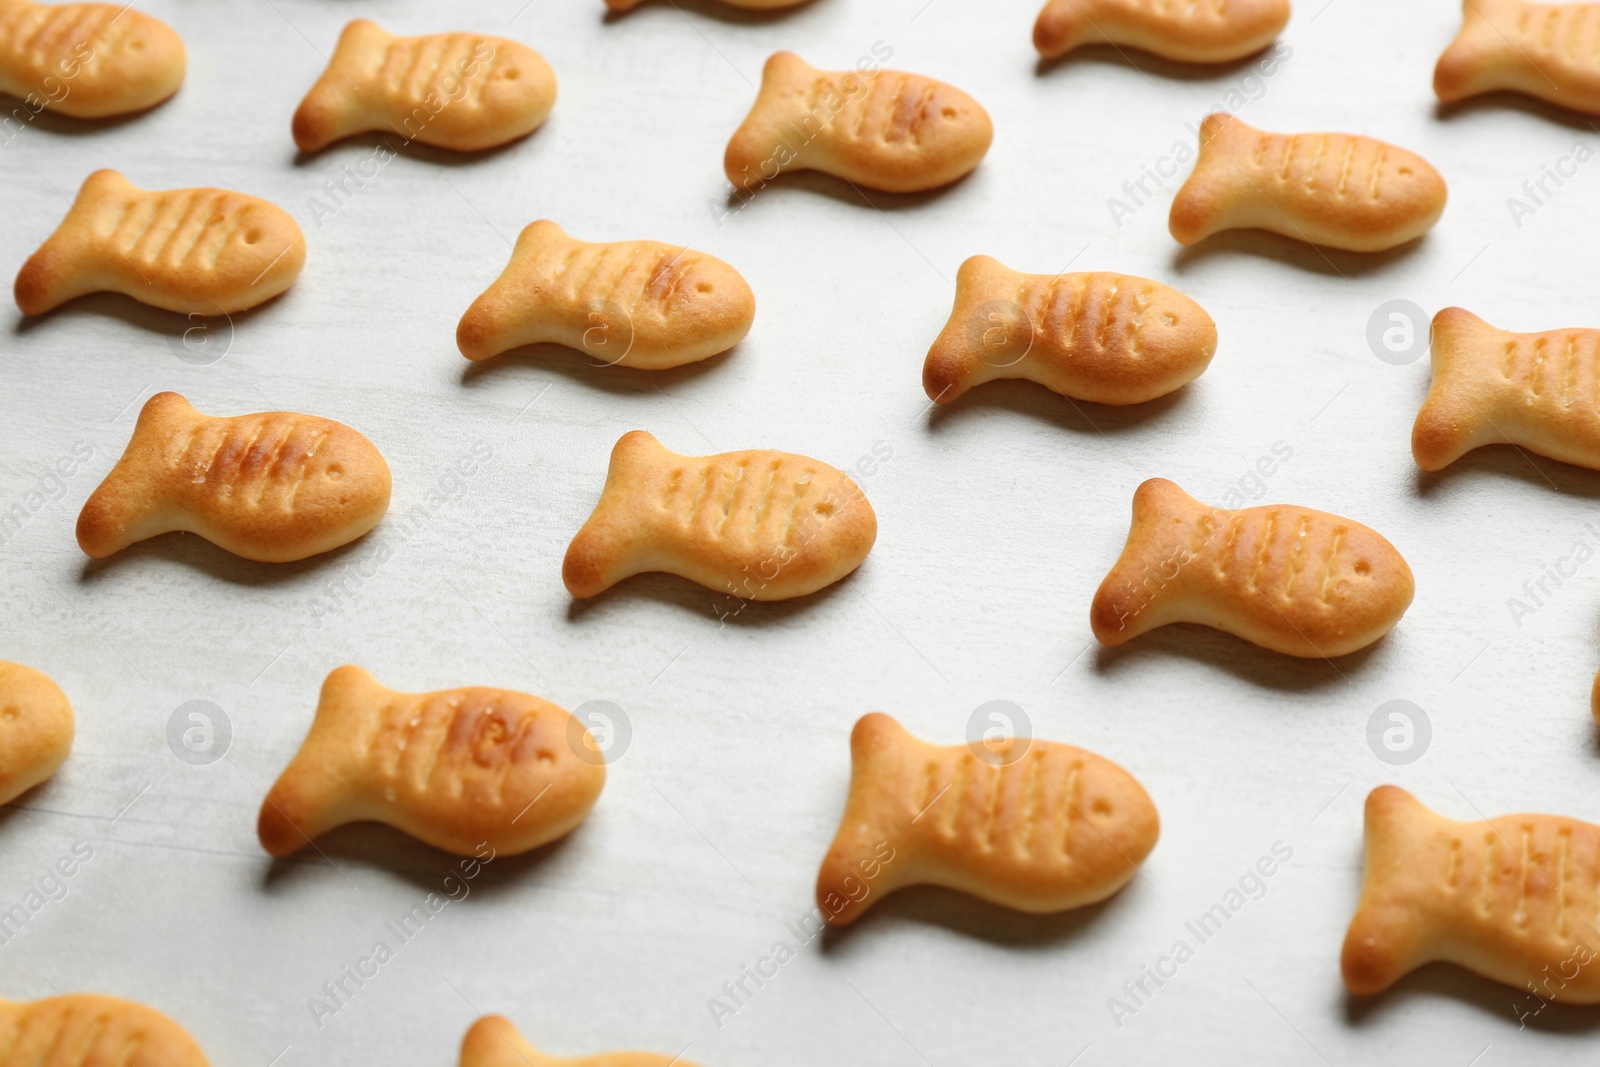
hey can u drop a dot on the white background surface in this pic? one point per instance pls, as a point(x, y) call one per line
point(998, 518)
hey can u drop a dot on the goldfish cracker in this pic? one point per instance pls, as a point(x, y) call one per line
point(902, 133)
point(1098, 336)
point(274, 486)
point(1033, 825)
point(195, 251)
point(87, 61)
point(1534, 390)
point(1209, 31)
point(87, 1030)
point(461, 91)
point(1541, 50)
point(460, 769)
point(493, 1041)
point(1332, 189)
point(1512, 899)
point(760, 525)
point(36, 728)
point(630, 303)
point(1287, 578)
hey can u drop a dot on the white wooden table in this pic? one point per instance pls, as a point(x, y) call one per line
point(998, 518)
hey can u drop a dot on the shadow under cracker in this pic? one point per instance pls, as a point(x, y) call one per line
point(1513, 462)
point(1511, 100)
point(1024, 397)
point(369, 141)
point(35, 797)
point(1491, 997)
point(973, 917)
point(66, 125)
point(1233, 655)
point(1292, 252)
point(815, 181)
point(192, 550)
point(151, 319)
point(378, 845)
point(578, 366)
point(719, 608)
point(1147, 63)
point(717, 10)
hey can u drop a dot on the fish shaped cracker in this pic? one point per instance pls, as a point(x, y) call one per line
point(494, 1042)
point(902, 133)
point(1513, 899)
point(1287, 578)
point(1542, 50)
point(759, 524)
point(87, 61)
point(456, 769)
point(628, 303)
point(87, 1030)
point(1194, 31)
point(1490, 386)
point(1336, 190)
point(36, 727)
point(1042, 828)
point(196, 251)
point(1109, 338)
point(461, 91)
point(274, 486)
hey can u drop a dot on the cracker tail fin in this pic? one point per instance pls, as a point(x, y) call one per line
point(293, 814)
point(124, 508)
point(498, 320)
point(769, 139)
point(985, 335)
point(866, 860)
point(1386, 935)
point(603, 552)
point(1205, 201)
point(1129, 601)
point(66, 266)
point(494, 1041)
point(333, 109)
point(1467, 66)
point(1061, 27)
point(1450, 423)
point(305, 802)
